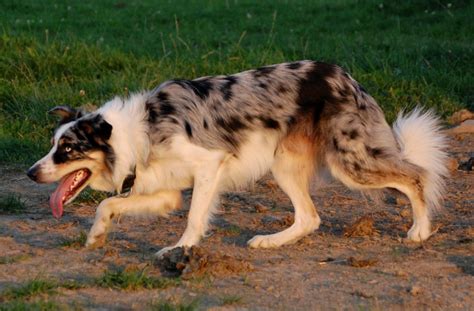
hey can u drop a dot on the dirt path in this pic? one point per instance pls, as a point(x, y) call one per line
point(327, 270)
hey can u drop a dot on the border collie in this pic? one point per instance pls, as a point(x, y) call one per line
point(213, 134)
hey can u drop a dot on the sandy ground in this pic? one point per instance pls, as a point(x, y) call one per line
point(332, 268)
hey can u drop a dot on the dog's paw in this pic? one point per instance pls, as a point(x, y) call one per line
point(264, 241)
point(94, 242)
point(159, 254)
point(419, 232)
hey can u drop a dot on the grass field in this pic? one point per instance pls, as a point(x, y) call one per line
point(83, 53)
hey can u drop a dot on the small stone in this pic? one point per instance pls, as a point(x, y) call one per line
point(465, 127)
point(259, 208)
point(460, 116)
point(405, 213)
point(415, 290)
point(82, 93)
point(452, 164)
point(401, 273)
point(402, 201)
point(364, 226)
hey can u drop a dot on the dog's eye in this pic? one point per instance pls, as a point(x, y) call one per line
point(68, 149)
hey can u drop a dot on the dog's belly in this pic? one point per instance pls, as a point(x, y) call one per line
point(254, 159)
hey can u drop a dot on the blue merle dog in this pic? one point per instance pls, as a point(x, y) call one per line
point(213, 134)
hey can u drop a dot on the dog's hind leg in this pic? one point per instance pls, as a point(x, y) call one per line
point(205, 191)
point(159, 203)
point(293, 169)
point(406, 177)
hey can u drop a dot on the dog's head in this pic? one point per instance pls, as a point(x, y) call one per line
point(80, 155)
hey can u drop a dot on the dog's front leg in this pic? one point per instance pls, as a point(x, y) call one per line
point(206, 188)
point(159, 203)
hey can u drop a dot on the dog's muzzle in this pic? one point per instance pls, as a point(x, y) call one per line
point(33, 172)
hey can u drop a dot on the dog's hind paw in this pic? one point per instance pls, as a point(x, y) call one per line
point(420, 231)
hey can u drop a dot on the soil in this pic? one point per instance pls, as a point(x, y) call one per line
point(358, 259)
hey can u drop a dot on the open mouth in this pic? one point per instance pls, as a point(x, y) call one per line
point(68, 188)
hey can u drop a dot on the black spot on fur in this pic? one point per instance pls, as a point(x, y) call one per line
point(270, 123)
point(152, 114)
point(263, 71)
point(353, 134)
point(200, 87)
point(374, 152)
point(315, 92)
point(162, 96)
point(188, 128)
point(263, 85)
point(249, 118)
point(205, 125)
point(357, 167)
point(231, 139)
point(226, 88)
point(337, 146)
point(167, 109)
point(234, 124)
point(282, 89)
point(294, 65)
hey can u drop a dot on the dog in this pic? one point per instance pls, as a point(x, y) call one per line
point(297, 120)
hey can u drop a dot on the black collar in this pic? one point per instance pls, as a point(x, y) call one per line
point(128, 182)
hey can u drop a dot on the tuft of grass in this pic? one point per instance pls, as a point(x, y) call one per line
point(12, 204)
point(167, 306)
point(29, 289)
point(76, 242)
point(4, 260)
point(73, 284)
point(230, 229)
point(133, 280)
point(91, 196)
point(19, 305)
point(231, 300)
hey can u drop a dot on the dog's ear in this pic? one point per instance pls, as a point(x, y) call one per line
point(96, 128)
point(66, 113)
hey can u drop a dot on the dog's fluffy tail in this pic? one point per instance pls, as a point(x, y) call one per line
point(422, 143)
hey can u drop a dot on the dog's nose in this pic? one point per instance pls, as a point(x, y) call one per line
point(33, 173)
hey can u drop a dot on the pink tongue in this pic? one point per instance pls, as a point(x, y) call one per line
point(56, 199)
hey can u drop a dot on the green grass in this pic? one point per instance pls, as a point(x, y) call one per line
point(18, 305)
point(167, 306)
point(4, 260)
point(230, 229)
point(90, 196)
point(133, 280)
point(75, 242)
point(28, 290)
point(12, 204)
point(231, 300)
point(83, 53)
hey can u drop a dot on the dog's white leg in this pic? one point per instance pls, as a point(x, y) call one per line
point(159, 203)
point(421, 229)
point(206, 188)
point(292, 172)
